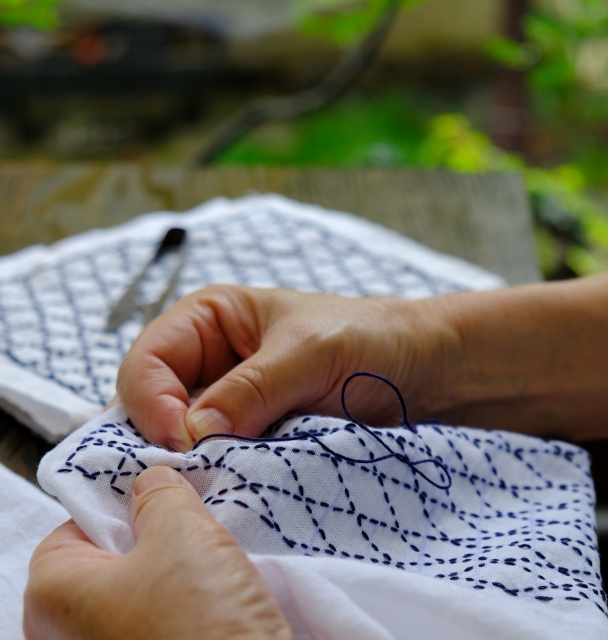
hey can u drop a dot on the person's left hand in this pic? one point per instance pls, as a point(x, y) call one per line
point(186, 578)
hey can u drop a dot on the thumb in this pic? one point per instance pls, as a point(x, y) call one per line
point(192, 570)
point(166, 510)
point(288, 373)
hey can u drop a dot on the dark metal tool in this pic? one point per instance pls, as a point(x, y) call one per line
point(175, 240)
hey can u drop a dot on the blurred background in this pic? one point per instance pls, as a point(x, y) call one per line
point(469, 85)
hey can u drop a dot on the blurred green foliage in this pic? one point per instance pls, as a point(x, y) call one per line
point(565, 59)
point(555, 41)
point(558, 194)
point(409, 129)
point(341, 21)
point(40, 14)
point(387, 129)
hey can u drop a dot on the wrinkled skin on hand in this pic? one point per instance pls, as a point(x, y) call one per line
point(532, 358)
point(258, 353)
point(263, 352)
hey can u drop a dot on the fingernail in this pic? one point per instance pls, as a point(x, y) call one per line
point(179, 445)
point(204, 422)
point(113, 402)
point(153, 477)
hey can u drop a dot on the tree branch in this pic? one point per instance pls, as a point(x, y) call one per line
point(321, 94)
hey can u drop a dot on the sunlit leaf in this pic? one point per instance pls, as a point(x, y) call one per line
point(512, 54)
point(584, 262)
point(342, 22)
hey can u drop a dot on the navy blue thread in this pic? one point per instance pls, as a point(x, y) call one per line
point(360, 374)
point(308, 435)
point(255, 487)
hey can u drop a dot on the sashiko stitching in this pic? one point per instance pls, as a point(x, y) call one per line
point(52, 318)
point(516, 522)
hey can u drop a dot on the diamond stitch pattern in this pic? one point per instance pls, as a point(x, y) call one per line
point(517, 521)
point(52, 318)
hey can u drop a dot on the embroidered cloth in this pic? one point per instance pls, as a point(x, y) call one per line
point(516, 525)
point(57, 365)
point(323, 598)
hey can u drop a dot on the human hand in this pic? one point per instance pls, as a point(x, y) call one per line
point(264, 352)
point(185, 579)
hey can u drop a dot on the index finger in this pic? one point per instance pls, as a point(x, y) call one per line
point(176, 352)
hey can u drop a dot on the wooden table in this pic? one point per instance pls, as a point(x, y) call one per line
point(482, 218)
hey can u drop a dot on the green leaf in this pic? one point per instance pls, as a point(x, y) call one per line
point(40, 14)
point(452, 142)
point(583, 261)
point(510, 53)
point(343, 22)
point(553, 73)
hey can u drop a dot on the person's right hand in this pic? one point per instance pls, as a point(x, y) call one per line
point(261, 353)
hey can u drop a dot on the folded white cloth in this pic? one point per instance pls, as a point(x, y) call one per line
point(57, 365)
point(501, 521)
point(323, 598)
point(26, 517)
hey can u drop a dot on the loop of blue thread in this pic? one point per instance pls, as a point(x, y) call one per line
point(307, 435)
point(376, 376)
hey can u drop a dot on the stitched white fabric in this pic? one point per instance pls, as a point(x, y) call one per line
point(323, 598)
point(517, 524)
point(57, 365)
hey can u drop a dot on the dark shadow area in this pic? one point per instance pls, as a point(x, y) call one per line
point(598, 450)
point(20, 449)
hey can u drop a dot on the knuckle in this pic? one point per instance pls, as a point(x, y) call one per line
point(131, 367)
point(252, 382)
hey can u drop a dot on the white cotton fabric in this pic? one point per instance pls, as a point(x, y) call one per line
point(510, 549)
point(26, 517)
point(338, 599)
point(322, 598)
point(57, 365)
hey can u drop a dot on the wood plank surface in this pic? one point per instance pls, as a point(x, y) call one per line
point(482, 218)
